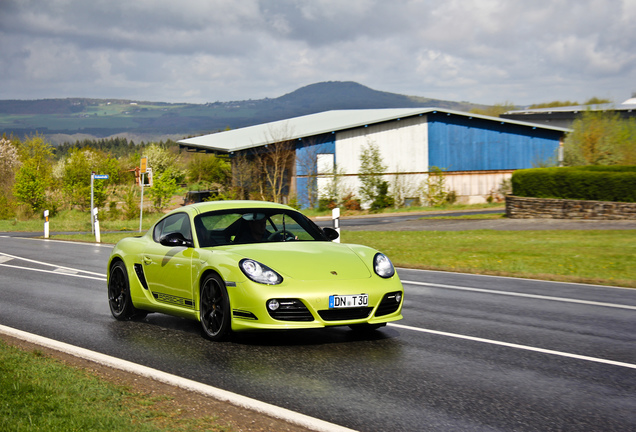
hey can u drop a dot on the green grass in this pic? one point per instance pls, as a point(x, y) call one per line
point(38, 393)
point(73, 220)
point(605, 257)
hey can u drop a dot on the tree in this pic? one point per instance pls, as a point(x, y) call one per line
point(371, 171)
point(34, 175)
point(243, 175)
point(76, 171)
point(276, 161)
point(9, 163)
point(30, 186)
point(164, 186)
point(76, 179)
point(600, 138)
point(209, 169)
point(161, 159)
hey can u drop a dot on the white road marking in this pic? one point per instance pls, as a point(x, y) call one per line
point(579, 284)
point(518, 294)
point(516, 346)
point(174, 380)
point(58, 268)
point(64, 272)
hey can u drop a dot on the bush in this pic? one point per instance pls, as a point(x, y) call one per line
point(599, 183)
point(382, 199)
point(351, 203)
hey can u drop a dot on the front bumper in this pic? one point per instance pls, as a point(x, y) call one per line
point(306, 304)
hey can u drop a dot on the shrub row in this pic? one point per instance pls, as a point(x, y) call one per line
point(599, 183)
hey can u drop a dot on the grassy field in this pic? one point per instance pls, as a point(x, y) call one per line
point(38, 393)
point(605, 257)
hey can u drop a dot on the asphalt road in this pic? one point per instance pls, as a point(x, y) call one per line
point(431, 221)
point(473, 353)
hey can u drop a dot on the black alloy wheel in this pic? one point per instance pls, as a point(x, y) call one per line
point(119, 293)
point(119, 300)
point(214, 309)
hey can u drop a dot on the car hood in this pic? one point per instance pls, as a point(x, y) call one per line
point(308, 260)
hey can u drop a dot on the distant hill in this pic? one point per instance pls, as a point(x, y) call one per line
point(68, 120)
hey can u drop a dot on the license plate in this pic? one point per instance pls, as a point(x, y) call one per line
point(348, 301)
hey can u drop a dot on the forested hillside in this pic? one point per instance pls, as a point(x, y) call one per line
point(73, 119)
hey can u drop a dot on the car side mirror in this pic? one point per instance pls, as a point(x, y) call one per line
point(175, 239)
point(330, 233)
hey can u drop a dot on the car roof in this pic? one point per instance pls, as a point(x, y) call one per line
point(208, 206)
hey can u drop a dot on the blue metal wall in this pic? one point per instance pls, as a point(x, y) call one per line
point(458, 143)
point(306, 151)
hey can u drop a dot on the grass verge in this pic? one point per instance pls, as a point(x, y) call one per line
point(73, 220)
point(38, 393)
point(596, 256)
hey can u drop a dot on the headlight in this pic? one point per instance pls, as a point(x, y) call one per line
point(383, 266)
point(260, 273)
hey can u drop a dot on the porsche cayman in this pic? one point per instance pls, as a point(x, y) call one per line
point(251, 265)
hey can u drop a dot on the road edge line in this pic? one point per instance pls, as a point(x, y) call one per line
point(174, 380)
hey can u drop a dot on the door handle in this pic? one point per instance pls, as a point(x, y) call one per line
point(147, 260)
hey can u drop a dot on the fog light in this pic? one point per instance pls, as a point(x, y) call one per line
point(398, 297)
point(273, 304)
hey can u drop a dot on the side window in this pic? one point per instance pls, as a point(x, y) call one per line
point(176, 223)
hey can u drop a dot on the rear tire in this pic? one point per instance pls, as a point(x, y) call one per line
point(121, 305)
point(214, 309)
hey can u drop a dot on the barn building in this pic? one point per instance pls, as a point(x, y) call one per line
point(566, 115)
point(475, 152)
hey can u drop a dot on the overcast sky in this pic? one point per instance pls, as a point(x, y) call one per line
point(481, 51)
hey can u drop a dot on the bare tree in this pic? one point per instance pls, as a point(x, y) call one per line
point(277, 158)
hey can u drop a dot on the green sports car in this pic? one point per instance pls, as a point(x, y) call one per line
point(251, 265)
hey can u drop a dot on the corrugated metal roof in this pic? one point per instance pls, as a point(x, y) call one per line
point(317, 124)
point(628, 105)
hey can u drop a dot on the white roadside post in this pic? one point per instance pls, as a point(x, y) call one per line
point(143, 166)
point(335, 215)
point(94, 209)
point(46, 224)
point(98, 237)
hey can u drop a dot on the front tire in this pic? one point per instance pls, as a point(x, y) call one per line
point(214, 309)
point(121, 305)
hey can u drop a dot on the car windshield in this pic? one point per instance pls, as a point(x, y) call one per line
point(255, 225)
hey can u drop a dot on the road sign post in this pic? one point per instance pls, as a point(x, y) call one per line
point(92, 220)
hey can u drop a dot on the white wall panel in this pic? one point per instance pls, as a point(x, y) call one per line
point(403, 145)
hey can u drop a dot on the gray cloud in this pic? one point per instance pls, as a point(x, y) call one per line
point(484, 51)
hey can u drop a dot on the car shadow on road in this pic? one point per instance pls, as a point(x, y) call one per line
point(160, 326)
